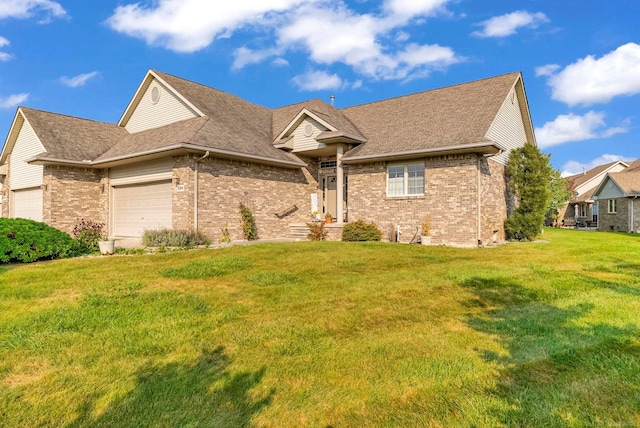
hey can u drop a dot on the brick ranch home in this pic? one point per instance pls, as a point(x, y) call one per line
point(184, 156)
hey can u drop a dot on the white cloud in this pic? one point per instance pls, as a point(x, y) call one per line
point(317, 81)
point(329, 32)
point(280, 62)
point(3, 55)
point(507, 25)
point(590, 80)
point(79, 80)
point(574, 167)
point(570, 127)
point(244, 56)
point(13, 100)
point(22, 9)
point(354, 41)
point(191, 25)
point(413, 8)
point(547, 70)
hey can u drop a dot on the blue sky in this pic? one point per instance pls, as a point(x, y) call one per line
point(580, 59)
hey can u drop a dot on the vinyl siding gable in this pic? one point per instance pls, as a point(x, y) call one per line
point(23, 175)
point(610, 190)
point(152, 113)
point(508, 127)
point(304, 142)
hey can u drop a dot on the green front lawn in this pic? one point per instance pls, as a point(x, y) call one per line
point(328, 334)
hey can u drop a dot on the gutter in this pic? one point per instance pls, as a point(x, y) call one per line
point(103, 163)
point(465, 148)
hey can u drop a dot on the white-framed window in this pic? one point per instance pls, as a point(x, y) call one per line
point(405, 179)
point(613, 206)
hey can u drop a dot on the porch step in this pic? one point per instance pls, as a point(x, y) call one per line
point(298, 231)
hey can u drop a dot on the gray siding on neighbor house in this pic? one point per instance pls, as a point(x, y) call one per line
point(168, 109)
point(508, 128)
point(610, 190)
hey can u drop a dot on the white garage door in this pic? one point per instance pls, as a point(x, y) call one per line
point(139, 207)
point(27, 204)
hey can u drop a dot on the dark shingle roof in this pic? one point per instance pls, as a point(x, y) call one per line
point(283, 116)
point(234, 124)
point(629, 181)
point(455, 115)
point(452, 116)
point(72, 138)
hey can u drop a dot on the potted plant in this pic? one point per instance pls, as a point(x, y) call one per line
point(425, 230)
point(315, 215)
point(328, 217)
point(106, 245)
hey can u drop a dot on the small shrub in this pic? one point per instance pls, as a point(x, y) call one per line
point(226, 238)
point(27, 241)
point(173, 238)
point(361, 231)
point(87, 234)
point(316, 231)
point(248, 223)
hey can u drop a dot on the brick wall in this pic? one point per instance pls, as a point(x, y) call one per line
point(71, 194)
point(618, 221)
point(450, 200)
point(494, 201)
point(267, 190)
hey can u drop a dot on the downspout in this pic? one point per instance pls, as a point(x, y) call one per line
point(195, 190)
point(478, 202)
point(631, 214)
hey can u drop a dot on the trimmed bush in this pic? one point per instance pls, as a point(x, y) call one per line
point(173, 238)
point(361, 231)
point(26, 241)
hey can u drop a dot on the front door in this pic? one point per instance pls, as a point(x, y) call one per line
point(330, 194)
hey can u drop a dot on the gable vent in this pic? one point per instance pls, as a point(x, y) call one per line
point(155, 95)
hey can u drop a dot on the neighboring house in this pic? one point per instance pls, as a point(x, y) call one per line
point(618, 195)
point(583, 209)
point(184, 156)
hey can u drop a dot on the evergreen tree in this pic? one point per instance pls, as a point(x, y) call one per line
point(528, 175)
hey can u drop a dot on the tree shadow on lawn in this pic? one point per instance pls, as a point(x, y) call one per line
point(201, 394)
point(559, 370)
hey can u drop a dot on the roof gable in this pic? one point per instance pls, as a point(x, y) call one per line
point(583, 183)
point(287, 119)
point(14, 131)
point(66, 137)
point(154, 79)
point(459, 115)
point(608, 189)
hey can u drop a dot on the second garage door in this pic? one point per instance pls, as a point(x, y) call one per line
point(141, 206)
point(28, 204)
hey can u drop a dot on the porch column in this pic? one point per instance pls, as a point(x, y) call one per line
point(339, 184)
